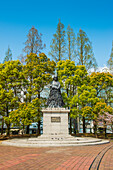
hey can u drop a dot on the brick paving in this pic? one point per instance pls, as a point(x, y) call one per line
point(107, 161)
point(56, 158)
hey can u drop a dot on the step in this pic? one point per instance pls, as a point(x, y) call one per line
point(26, 144)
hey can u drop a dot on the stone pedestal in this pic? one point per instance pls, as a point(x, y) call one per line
point(55, 121)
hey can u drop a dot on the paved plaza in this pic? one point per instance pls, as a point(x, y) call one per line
point(59, 158)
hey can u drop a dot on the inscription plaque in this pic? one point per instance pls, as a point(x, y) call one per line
point(55, 119)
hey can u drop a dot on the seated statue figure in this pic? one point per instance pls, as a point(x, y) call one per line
point(55, 98)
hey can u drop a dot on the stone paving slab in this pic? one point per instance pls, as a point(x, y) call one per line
point(54, 158)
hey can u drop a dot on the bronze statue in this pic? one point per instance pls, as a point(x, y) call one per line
point(55, 98)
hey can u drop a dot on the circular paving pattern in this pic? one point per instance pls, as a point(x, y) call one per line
point(57, 158)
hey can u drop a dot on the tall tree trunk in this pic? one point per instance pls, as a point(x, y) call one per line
point(32, 44)
point(112, 127)
point(39, 127)
point(69, 48)
point(2, 128)
point(8, 129)
point(8, 124)
point(95, 128)
point(59, 51)
point(105, 132)
point(105, 129)
point(23, 131)
point(39, 123)
point(81, 53)
point(84, 128)
point(70, 128)
point(27, 130)
point(29, 100)
point(75, 123)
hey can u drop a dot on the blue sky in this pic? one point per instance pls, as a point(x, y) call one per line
point(95, 17)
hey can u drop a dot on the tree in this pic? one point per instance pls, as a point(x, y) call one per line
point(83, 102)
point(11, 82)
point(21, 58)
point(38, 71)
point(65, 70)
point(84, 51)
point(99, 115)
point(26, 114)
point(107, 118)
point(33, 43)
point(8, 56)
point(110, 61)
point(70, 42)
point(71, 77)
point(58, 43)
point(103, 83)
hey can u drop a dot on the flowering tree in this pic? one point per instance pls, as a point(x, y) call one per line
point(106, 119)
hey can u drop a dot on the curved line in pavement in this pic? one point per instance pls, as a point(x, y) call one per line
point(101, 155)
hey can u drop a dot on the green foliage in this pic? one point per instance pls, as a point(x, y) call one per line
point(87, 96)
point(84, 51)
point(38, 70)
point(8, 56)
point(81, 91)
point(65, 69)
point(78, 95)
point(87, 112)
point(11, 81)
point(103, 83)
point(110, 61)
point(26, 113)
point(70, 77)
point(58, 43)
point(70, 42)
point(83, 102)
point(100, 108)
point(30, 78)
